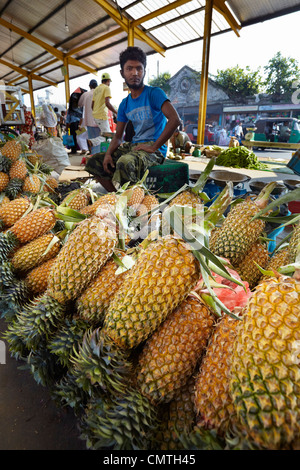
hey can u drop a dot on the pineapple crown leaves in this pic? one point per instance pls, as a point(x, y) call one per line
point(202, 439)
point(5, 163)
point(293, 195)
point(97, 361)
point(121, 422)
point(207, 260)
point(200, 183)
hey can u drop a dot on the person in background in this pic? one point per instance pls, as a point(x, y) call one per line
point(58, 126)
point(285, 133)
point(154, 120)
point(181, 140)
point(27, 128)
point(88, 121)
point(48, 119)
point(74, 116)
point(238, 132)
point(101, 103)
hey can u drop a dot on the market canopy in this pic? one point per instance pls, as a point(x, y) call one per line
point(43, 41)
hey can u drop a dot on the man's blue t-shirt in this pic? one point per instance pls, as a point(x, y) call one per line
point(145, 114)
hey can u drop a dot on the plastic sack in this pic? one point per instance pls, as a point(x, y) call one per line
point(53, 152)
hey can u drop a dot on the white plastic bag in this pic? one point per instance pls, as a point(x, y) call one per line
point(53, 152)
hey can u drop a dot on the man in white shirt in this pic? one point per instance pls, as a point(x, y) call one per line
point(88, 120)
point(238, 131)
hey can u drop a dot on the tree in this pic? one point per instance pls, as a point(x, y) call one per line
point(282, 73)
point(161, 81)
point(239, 83)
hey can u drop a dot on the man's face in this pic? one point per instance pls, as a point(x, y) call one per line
point(133, 74)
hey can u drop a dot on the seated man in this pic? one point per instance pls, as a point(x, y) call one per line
point(154, 120)
point(285, 132)
point(181, 140)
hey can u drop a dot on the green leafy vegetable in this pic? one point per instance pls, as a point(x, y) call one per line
point(239, 157)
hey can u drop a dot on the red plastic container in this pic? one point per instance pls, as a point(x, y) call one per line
point(294, 207)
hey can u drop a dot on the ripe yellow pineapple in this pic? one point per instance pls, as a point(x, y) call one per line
point(135, 196)
point(32, 184)
point(51, 184)
point(238, 231)
point(93, 302)
point(170, 355)
point(161, 278)
point(34, 253)
point(265, 378)
point(4, 200)
point(279, 259)
point(13, 211)
point(213, 403)
point(294, 243)
point(34, 224)
point(91, 209)
point(4, 180)
point(82, 256)
point(187, 198)
point(149, 202)
point(77, 199)
point(12, 150)
point(247, 269)
point(37, 279)
point(18, 170)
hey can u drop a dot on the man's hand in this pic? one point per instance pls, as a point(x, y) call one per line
point(108, 164)
point(145, 147)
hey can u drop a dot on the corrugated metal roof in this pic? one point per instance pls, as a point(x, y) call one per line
point(70, 24)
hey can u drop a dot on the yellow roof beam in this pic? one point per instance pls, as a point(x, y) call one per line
point(101, 38)
point(52, 50)
point(25, 73)
point(160, 11)
point(125, 24)
point(219, 6)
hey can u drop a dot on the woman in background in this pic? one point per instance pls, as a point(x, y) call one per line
point(49, 119)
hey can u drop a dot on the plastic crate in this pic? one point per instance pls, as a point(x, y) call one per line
point(168, 177)
point(294, 163)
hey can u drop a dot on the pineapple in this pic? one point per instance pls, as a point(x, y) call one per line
point(247, 269)
point(93, 302)
point(13, 211)
point(34, 253)
point(4, 200)
point(86, 251)
point(279, 259)
point(12, 150)
point(77, 199)
point(32, 184)
point(294, 243)
point(106, 199)
point(50, 185)
point(37, 279)
point(135, 196)
point(265, 378)
point(170, 356)
point(177, 418)
point(238, 231)
point(149, 202)
point(161, 278)
point(187, 198)
point(4, 180)
point(213, 402)
point(18, 170)
point(34, 158)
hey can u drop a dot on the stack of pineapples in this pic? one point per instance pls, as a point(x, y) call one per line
point(134, 337)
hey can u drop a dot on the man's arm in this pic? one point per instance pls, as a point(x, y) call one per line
point(173, 122)
point(114, 144)
point(110, 106)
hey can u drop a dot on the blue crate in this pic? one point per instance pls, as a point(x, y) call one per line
point(294, 163)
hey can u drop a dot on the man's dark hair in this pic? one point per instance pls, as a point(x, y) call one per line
point(133, 53)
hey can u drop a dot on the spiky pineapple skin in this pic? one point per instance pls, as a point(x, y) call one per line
point(12, 150)
point(18, 170)
point(34, 253)
point(4, 180)
point(265, 377)
point(186, 198)
point(238, 232)
point(37, 279)
point(77, 199)
point(149, 202)
point(106, 199)
point(294, 243)
point(13, 211)
point(162, 277)
point(34, 224)
point(213, 403)
point(279, 259)
point(86, 251)
point(170, 356)
point(247, 269)
point(32, 184)
point(94, 301)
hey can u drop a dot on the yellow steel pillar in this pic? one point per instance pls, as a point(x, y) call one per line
point(31, 95)
point(130, 38)
point(204, 71)
point(65, 72)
